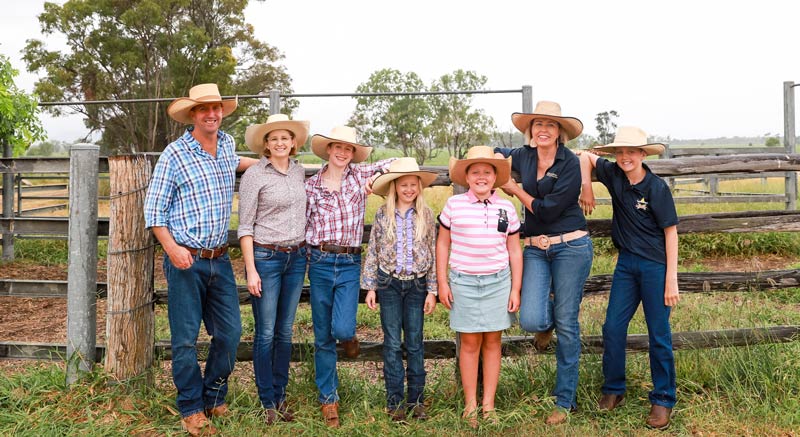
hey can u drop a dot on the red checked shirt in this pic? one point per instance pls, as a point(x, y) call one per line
point(337, 217)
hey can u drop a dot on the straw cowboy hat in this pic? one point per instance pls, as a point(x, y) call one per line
point(397, 169)
point(630, 136)
point(198, 95)
point(339, 134)
point(475, 154)
point(571, 126)
point(255, 133)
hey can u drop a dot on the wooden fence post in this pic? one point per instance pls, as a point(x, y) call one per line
point(130, 319)
point(82, 270)
point(8, 206)
point(789, 142)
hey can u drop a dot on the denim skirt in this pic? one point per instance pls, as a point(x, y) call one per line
point(480, 302)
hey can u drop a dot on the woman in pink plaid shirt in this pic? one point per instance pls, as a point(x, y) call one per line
point(337, 197)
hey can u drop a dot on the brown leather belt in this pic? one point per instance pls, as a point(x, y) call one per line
point(208, 253)
point(545, 241)
point(284, 249)
point(332, 248)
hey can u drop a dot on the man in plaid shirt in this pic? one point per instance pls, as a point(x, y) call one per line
point(188, 207)
point(337, 197)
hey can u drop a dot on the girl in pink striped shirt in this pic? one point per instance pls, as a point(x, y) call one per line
point(479, 240)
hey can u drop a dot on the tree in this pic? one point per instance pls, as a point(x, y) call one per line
point(19, 121)
point(606, 126)
point(398, 122)
point(131, 49)
point(773, 142)
point(456, 126)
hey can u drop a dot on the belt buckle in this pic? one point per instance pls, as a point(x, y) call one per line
point(542, 242)
point(405, 277)
point(202, 251)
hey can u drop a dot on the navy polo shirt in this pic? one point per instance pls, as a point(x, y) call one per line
point(555, 195)
point(641, 211)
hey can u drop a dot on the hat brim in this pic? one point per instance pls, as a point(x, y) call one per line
point(179, 109)
point(319, 145)
point(649, 149)
point(382, 183)
point(255, 133)
point(571, 126)
point(458, 169)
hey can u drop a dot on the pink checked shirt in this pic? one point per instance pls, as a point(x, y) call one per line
point(337, 217)
point(476, 246)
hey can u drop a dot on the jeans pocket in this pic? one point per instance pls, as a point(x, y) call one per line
point(383, 279)
point(263, 254)
point(315, 256)
point(579, 243)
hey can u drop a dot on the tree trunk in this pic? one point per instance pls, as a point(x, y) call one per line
point(130, 327)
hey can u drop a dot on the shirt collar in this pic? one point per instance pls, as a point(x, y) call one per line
point(474, 199)
point(191, 141)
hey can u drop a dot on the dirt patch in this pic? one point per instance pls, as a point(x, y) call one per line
point(758, 263)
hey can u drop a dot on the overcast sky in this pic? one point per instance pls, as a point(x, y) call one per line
point(688, 69)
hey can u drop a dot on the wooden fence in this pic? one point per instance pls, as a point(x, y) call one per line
point(761, 221)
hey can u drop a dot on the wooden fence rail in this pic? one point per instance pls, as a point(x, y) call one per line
point(688, 282)
point(439, 349)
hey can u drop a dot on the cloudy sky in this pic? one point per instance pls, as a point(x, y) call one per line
point(688, 69)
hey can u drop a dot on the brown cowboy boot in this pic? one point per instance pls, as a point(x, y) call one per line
point(659, 417)
point(330, 413)
point(198, 425)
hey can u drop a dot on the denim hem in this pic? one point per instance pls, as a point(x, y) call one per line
point(662, 403)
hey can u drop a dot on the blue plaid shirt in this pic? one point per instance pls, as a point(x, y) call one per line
point(191, 192)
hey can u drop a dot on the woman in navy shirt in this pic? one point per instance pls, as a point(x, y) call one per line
point(558, 251)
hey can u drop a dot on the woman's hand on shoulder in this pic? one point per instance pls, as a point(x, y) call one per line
point(370, 300)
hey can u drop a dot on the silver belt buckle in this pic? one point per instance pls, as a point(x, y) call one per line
point(202, 253)
point(542, 242)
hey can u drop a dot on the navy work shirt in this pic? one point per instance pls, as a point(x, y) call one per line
point(641, 211)
point(555, 195)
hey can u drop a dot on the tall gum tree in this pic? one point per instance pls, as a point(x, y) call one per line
point(132, 49)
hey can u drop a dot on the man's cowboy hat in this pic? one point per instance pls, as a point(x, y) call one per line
point(475, 154)
point(255, 133)
point(571, 126)
point(630, 136)
point(198, 95)
point(397, 169)
point(339, 134)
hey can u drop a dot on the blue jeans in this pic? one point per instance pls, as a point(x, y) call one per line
point(335, 285)
point(205, 291)
point(638, 279)
point(402, 304)
point(281, 283)
point(562, 270)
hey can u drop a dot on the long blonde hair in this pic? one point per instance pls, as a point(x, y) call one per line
point(424, 213)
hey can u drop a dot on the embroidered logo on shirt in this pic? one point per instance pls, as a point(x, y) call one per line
point(502, 222)
point(551, 174)
point(641, 204)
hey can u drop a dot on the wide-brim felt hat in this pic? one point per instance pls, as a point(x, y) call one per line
point(200, 94)
point(475, 154)
point(397, 169)
point(571, 126)
point(339, 134)
point(255, 133)
point(631, 136)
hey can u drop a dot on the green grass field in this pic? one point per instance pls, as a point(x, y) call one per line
point(728, 391)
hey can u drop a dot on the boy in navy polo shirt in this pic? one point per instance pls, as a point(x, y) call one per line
point(644, 229)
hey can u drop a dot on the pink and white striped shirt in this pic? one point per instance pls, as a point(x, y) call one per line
point(477, 247)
